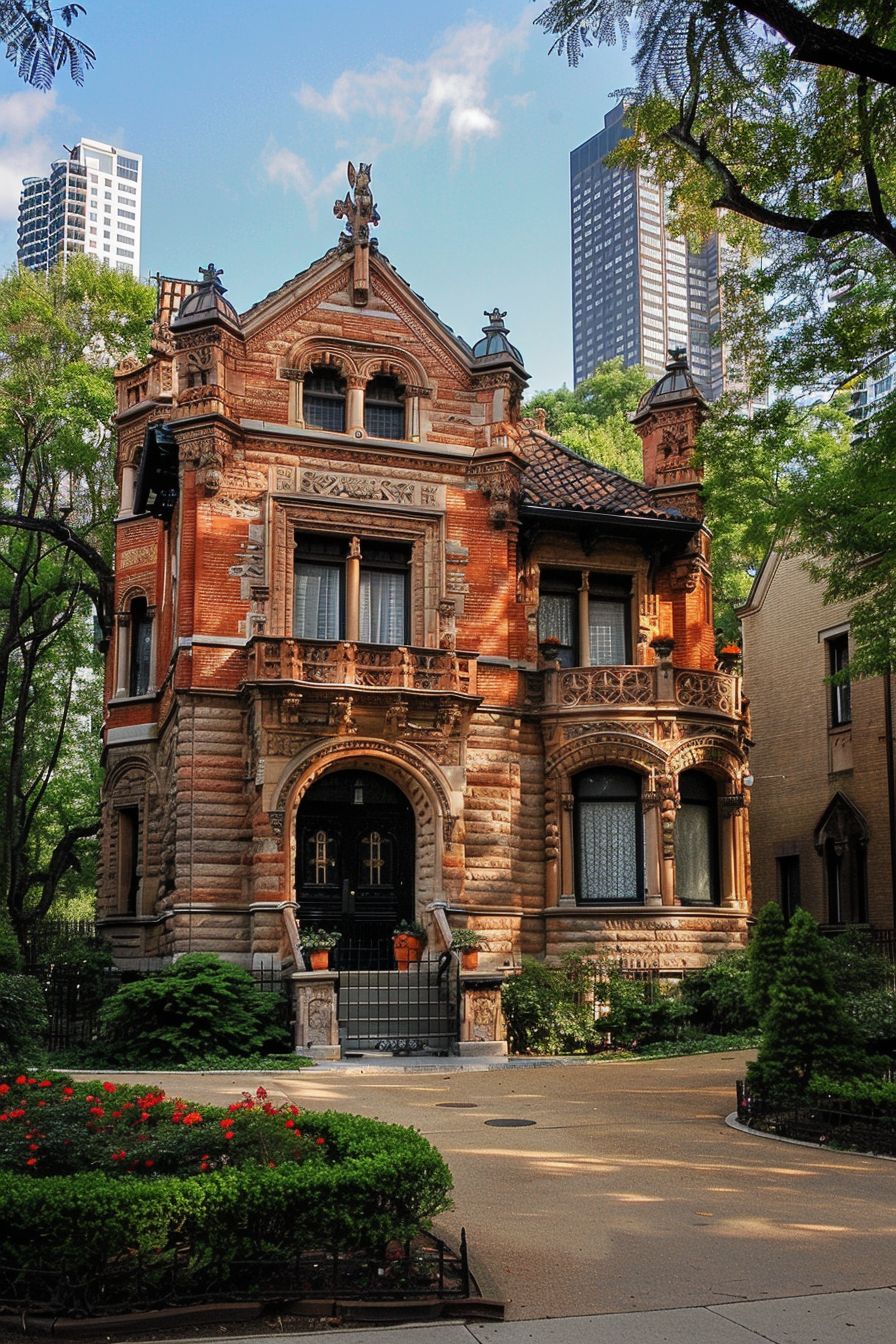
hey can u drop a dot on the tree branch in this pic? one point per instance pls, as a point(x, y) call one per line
point(817, 45)
point(54, 527)
point(830, 225)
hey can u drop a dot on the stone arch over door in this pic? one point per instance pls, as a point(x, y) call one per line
point(438, 828)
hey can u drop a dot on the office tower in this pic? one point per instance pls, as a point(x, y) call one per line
point(637, 291)
point(90, 202)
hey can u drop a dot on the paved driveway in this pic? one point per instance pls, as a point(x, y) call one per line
point(628, 1192)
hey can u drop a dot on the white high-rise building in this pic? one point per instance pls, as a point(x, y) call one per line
point(637, 291)
point(90, 202)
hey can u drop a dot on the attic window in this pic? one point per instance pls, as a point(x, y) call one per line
point(384, 408)
point(324, 400)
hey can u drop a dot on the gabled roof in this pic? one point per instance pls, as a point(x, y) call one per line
point(461, 347)
point(557, 478)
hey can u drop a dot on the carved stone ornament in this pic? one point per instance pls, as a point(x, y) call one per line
point(359, 214)
point(211, 468)
point(501, 487)
point(276, 820)
point(356, 487)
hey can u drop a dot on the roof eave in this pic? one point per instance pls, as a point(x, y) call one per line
point(612, 522)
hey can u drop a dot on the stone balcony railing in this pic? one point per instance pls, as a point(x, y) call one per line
point(640, 688)
point(375, 666)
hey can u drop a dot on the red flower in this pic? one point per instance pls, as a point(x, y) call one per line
point(96, 1110)
point(203, 1166)
point(21, 1080)
point(229, 1134)
point(319, 1141)
point(108, 1087)
point(31, 1162)
point(46, 1083)
point(192, 1118)
point(68, 1091)
point(17, 1114)
point(225, 1124)
point(149, 1162)
point(4, 1088)
point(33, 1148)
point(290, 1124)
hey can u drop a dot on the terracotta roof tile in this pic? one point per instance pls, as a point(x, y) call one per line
point(558, 478)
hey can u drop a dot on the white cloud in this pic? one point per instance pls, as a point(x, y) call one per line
point(24, 150)
point(447, 92)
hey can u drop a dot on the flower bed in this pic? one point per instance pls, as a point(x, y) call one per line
point(119, 1190)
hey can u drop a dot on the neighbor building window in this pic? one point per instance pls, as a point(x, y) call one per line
point(788, 883)
point(838, 663)
point(609, 839)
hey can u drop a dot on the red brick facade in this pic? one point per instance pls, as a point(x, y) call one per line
point(234, 723)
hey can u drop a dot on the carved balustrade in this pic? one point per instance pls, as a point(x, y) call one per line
point(375, 666)
point(603, 686)
point(709, 692)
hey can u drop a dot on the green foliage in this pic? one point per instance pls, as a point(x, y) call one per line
point(60, 335)
point(544, 1013)
point(592, 419)
point(868, 1095)
point(465, 940)
point(319, 940)
point(765, 954)
point(807, 1028)
point(10, 953)
point(717, 997)
point(199, 1006)
point(38, 46)
point(23, 1018)
point(641, 1012)
point(345, 1182)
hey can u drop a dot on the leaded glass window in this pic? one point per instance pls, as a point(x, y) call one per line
point(606, 632)
point(323, 400)
point(384, 408)
point(609, 845)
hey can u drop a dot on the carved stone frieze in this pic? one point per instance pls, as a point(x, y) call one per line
point(337, 486)
point(500, 483)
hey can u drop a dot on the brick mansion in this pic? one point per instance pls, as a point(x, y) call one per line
point(384, 650)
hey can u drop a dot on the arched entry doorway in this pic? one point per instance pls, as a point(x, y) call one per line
point(355, 859)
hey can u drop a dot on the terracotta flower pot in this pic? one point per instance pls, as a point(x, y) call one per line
point(407, 949)
point(320, 959)
point(469, 958)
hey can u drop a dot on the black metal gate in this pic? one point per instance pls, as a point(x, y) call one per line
point(416, 1011)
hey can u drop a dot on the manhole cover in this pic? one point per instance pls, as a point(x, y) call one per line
point(458, 1105)
point(509, 1124)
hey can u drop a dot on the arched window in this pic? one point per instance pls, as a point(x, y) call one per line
point(140, 660)
point(323, 399)
point(697, 840)
point(384, 408)
point(609, 838)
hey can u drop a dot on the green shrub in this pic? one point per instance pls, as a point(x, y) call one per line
point(10, 952)
point(718, 998)
point(641, 1012)
point(869, 1095)
point(766, 950)
point(544, 1012)
point(346, 1182)
point(199, 1006)
point(807, 1028)
point(856, 964)
point(23, 1018)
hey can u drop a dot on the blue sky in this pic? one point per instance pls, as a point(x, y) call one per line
point(247, 114)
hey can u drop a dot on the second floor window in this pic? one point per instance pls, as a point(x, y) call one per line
point(346, 582)
point(141, 647)
point(563, 602)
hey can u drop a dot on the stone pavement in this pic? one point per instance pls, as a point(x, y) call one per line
point(617, 1191)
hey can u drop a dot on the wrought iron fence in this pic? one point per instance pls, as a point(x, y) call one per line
point(183, 1275)
point(829, 1121)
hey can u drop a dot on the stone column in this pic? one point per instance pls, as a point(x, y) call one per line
point(353, 591)
point(354, 404)
point(299, 381)
point(316, 1025)
point(122, 650)
point(668, 791)
point(567, 852)
point(584, 639)
point(653, 849)
point(128, 479)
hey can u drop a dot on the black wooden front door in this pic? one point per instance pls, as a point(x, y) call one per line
point(355, 858)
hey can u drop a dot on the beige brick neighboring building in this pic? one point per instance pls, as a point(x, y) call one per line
point(385, 650)
point(822, 797)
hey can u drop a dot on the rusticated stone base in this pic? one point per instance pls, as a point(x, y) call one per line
point(673, 939)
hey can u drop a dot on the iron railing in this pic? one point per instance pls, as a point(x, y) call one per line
point(401, 1012)
point(825, 1120)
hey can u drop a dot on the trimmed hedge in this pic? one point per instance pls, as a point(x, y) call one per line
point(23, 1017)
point(365, 1184)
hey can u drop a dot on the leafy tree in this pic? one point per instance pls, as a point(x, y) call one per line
point(765, 953)
point(775, 121)
point(592, 419)
point(807, 1028)
point(60, 332)
point(38, 46)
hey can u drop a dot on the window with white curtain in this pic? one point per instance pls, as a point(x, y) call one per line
point(606, 631)
point(696, 840)
point(321, 578)
point(609, 616)
point(608, 838)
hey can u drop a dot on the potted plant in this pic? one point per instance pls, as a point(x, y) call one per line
point(408, 938)
point(467, 943)
point(549, 648)
point(318, 944)
point(728, 656)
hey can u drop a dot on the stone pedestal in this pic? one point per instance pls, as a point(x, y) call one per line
point(482, 1027)
point(317, 1029)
